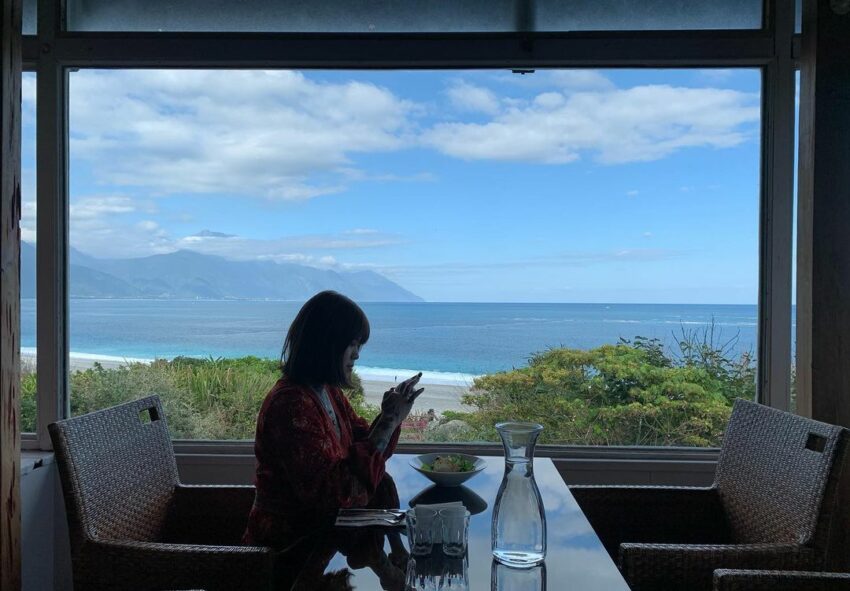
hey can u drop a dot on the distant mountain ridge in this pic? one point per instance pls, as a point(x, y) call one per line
point(188, 274)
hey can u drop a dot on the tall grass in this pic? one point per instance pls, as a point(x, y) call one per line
point(210, 398)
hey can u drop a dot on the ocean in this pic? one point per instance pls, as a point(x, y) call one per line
point(449, 341)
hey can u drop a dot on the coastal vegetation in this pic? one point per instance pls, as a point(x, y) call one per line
point(634, 392)
point(630, 393)
point(202, 398)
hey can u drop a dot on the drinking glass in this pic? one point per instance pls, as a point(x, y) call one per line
point(455, 523)
point(420, 530)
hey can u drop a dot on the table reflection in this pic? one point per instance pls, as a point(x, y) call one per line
point(380, 552)
point(372, 559)
point(437, 571)
point(506, 578)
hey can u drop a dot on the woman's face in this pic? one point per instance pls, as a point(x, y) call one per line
point(349, 356)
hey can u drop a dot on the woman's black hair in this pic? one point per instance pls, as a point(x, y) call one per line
point(318, 337)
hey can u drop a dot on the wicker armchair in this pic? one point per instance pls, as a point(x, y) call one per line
point(770, 507)
point(768, 580)
point(133, 525)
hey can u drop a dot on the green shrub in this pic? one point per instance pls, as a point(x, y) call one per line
point(28, 402)
point(631, 393)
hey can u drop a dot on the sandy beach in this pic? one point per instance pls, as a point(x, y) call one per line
point(438, 395)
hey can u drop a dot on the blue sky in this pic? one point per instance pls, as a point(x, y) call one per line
point(557, 186)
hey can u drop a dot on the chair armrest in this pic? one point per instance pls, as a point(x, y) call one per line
point(656, 514)
point(774, 580)
point(688, 567)
point(208, 514)
point(131, 566)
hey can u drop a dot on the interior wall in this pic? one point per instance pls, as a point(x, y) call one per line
point(45, 550)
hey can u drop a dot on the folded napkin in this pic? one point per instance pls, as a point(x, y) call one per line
point(420, 509)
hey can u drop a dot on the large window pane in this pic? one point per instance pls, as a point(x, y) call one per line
point(28, 375)
point(578, 248)
point(410, 16)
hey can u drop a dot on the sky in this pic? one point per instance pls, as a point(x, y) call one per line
point(627, 186)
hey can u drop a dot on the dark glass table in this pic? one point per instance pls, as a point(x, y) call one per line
point(374, 559)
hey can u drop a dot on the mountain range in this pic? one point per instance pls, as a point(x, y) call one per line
point(188, 274)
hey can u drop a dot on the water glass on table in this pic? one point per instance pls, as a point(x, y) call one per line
point(420, 530)
point(455, 530)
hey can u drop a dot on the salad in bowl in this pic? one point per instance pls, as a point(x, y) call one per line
point(448, 469)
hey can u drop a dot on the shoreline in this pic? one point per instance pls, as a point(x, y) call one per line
point(443, 390)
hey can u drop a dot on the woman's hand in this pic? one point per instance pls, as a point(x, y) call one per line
point(395, 407)
point(398, 401)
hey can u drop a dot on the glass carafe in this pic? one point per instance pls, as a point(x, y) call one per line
point(519, 522)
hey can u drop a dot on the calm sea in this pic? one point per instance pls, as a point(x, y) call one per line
point(443, 338)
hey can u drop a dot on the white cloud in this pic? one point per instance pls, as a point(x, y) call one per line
point(281, 135)
point(354, 174)
point(642, 123)
point(113, 234)
point(87, 208)
point(468, 97)
point(580, 79)
point(251, 132)
point(148, 225)
point(107, 226)
point(716, 74)
point(286, 249)
point(29, 235)
point(633, 193)
point(647, 234)
point(28, 220)
point(28, 210)
point(299, 258)
point(106, 239)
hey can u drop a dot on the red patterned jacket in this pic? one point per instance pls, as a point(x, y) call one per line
point(305, 471)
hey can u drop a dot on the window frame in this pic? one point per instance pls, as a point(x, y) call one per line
point(54, 51)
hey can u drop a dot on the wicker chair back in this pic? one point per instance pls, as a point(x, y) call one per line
point(774, 471)
point(118, 471)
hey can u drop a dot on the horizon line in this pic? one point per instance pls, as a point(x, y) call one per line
point(469, 302)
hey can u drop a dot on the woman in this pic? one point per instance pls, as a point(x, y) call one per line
point(314, 454)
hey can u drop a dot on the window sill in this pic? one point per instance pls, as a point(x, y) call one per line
point(575, 452)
